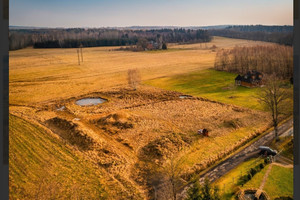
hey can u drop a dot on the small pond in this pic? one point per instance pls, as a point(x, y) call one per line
point(185, 96)
point(61, 108)
point(90, 101)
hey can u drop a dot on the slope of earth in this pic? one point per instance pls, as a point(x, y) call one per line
point(42, 166)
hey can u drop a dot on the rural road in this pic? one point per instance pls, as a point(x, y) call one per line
point(233, 161)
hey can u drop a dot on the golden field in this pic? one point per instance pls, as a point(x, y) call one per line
point(38, 75)
point(134, 133)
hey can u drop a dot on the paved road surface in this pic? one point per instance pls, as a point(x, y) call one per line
point(233, 161)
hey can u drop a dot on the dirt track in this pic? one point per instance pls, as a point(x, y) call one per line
point(233, 161)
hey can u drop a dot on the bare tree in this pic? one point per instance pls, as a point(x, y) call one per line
point(273, 96)
point(134, 78)
point(173, 170)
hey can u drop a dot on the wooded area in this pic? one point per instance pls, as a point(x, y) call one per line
point(277, 34)
point(266, 59)
point(73, 38)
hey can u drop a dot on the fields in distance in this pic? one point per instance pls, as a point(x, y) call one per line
point(44, 74)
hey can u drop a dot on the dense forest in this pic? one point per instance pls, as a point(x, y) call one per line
point(91, 37)
point(71, 38)
point(277, 34)
point(266, 59)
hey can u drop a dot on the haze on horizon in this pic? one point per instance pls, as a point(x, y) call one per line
point(118, 13)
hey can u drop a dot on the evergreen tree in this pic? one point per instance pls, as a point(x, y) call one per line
point(194, 191)
point(205, 192)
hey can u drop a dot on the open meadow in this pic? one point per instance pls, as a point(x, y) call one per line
point(38, 75)
point(134, 134)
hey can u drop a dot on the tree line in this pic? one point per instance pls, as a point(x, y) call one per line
point(277, 34)
point(266, 59)
point(74, 37)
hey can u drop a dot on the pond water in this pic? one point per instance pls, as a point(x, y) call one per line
point(249, 196)
point(61, 108)
point(90, 101)
point(185, 96)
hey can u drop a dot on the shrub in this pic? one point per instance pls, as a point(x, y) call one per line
point(249, 176)
point(243, 179)
point(253, 171)
point(266, 160)
point(164, 46)
point(261, 166)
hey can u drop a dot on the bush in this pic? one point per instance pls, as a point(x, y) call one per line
point(253, 171)
point(266, 160)
point(243, 179)
point(249, 176)
point(261, 166)
point(164, 46)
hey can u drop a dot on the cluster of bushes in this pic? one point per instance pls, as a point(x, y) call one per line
point(244, 179)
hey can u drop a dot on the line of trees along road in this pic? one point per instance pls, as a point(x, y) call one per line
point(72, 38)
point(266, 59)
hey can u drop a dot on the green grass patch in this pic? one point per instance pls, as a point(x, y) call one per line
point(228, 183)
point(213, 85)
point(279, 182)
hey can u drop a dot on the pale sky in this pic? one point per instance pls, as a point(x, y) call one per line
point(111, 13)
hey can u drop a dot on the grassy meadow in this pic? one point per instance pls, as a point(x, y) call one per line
point(278, 184)
point(211, 84)
point(214, 85)
point(38, 75)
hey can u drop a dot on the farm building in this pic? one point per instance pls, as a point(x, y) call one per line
point(251, 79)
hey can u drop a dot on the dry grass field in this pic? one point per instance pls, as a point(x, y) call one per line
point(134, 133)
point(38, 75)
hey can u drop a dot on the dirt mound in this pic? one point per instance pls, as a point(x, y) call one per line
point(163, 147)
point(70, 132)
point(233, 123)
point(114, 122)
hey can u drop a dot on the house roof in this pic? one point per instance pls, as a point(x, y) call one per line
point(238, 78)
point(250, 76)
